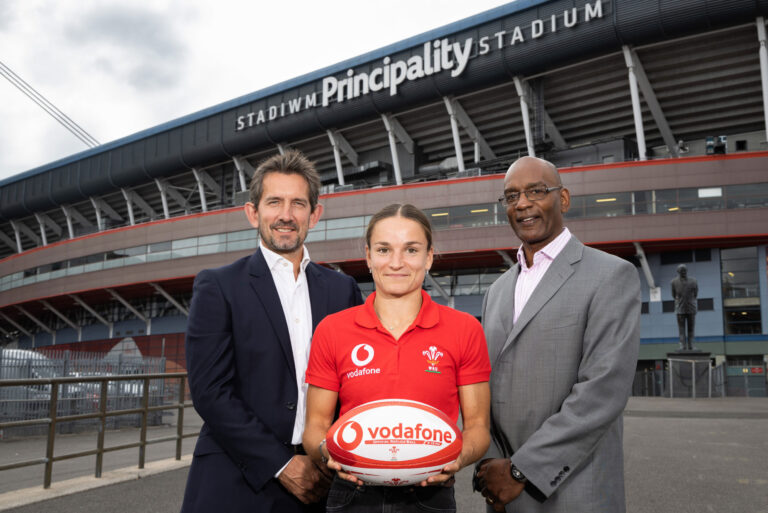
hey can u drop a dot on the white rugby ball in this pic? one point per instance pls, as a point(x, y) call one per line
point(394, 442)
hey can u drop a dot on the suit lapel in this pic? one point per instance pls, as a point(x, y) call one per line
point(264, 287)
point(317, 294)
point(508, 300)
point(558, 273)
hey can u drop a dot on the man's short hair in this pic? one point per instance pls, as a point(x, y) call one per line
point(291, 162)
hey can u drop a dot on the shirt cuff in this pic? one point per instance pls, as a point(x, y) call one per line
point(277, 474)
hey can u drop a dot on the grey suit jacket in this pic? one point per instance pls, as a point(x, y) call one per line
point(561, 378)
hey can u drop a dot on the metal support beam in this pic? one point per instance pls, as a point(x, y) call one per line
point(280, 149)
point(8, 241)
point(49, 223)
point(72, 214)
point(525, 101)
point(129, 206)
point(94, 313)
point(102, 207)
point(336, 157)
point(466, 123)
point(133, 198)
point(505, 256)
point(653, 103)
point(393, 148)
point(19, 247)
point(5, 332)
point(552, 131)
point(41, 225)
point(654, 291)
point(162, 187)
point(15, 325)
point(63, 318)
point(440, 290)
point(636, 110)
point(68, 217)
point(402, 135)
point(20, 227)
point(213, 186)
point(166, 190)
point(761, 37)
point(346, 148)
point(200, 189)
point(37, 321)
point(244, 171)
point(170, 299)
point(455, 133)
point(129, 306)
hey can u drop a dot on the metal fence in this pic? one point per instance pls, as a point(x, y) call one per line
point(32, 400)
point(691, 378)
point(102, 414)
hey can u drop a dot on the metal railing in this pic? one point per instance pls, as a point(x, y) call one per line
point(53, 419)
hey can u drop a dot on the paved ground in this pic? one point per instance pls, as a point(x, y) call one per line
point(681, 456)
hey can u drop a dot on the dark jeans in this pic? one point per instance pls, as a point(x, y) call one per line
point(346, 497)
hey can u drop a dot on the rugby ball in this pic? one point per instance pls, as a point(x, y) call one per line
point(393, 442)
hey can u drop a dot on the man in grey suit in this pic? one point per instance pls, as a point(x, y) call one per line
point(562, 327)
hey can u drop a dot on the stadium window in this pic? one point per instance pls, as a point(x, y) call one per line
point(668, 306)
point(704, 304)
point(702, 255)
point(741, 290)
point(741, 145)
point(644, 309)
point(676, 257)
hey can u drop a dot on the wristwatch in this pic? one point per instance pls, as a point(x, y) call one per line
point(322, 454)
point(516, 474)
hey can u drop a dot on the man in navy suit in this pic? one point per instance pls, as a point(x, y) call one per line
point(248, 337)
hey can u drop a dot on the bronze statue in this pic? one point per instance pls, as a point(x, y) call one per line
point(685, 291)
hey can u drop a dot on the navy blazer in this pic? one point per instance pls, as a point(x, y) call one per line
point(243, 382)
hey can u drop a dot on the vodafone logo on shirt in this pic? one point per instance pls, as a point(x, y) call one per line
point(362, 355)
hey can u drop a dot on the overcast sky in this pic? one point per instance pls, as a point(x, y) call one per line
point(121, 66)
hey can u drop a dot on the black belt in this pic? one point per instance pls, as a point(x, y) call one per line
point(298, 449)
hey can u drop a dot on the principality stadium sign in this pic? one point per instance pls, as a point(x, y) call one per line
point(437, 56)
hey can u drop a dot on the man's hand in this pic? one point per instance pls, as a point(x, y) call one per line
point(304, 480)
point(497, 484)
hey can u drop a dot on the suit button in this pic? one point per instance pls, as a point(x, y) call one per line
point(552, 483)
point(290, 406)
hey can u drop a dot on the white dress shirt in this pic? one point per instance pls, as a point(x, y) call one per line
point(294, 298)
point(529, 277)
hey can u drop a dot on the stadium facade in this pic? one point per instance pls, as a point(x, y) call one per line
point(655, 112)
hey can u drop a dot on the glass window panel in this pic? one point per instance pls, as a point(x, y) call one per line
point(184, 243)
point(96, 266)
point(211, 239)
point(137, 259)
point(156, 257)
point(745, 196)
point(136, 250)
point(211, 248)
point(576, 210)
point(320, 225)
point(344, 222)
point(344, 233)
point(314, 235)
point(184, 252)
point(608, 205)
point(666, 201)
point(98, 257)
point(732, 253)
point(110, 264)
point(643, 202)
point(157, 247)
point(74, 269)
point(240, 245)
point(58, 273)
point(242, 235)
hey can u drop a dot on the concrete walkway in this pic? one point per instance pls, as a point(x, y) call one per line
point(681, 455)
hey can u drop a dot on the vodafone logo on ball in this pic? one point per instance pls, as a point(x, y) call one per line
point(351, 435)
point(361, 355)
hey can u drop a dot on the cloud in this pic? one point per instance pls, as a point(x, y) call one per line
point(139, 45)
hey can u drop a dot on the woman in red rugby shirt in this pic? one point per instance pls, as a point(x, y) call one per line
point(399, 344)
